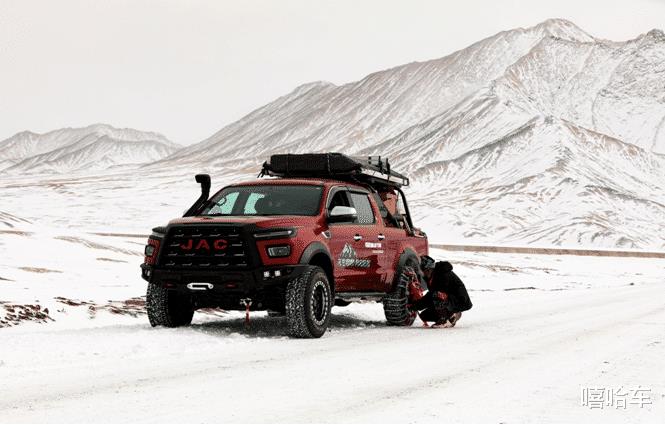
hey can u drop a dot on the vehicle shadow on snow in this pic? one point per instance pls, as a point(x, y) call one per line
point(275, 327)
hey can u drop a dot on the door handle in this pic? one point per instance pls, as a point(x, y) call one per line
point(381, 236)
point(357, 238)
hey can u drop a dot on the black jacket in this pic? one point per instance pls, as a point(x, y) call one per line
point(445, 280)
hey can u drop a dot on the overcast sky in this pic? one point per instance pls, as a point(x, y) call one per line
point(187, 68)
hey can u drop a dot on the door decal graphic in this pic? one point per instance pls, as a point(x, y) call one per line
point(349, 258)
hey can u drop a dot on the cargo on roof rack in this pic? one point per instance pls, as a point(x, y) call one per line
point(372, 170)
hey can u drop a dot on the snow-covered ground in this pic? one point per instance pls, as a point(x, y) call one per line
point(542, 329)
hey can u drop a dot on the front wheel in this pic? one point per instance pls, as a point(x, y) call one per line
point(308, 303)
point(167, 307)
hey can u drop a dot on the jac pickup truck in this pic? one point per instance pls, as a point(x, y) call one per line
point(316, 230)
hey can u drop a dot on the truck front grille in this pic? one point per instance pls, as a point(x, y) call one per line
point(204, 247)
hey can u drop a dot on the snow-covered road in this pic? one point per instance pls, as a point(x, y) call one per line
point(519, 355)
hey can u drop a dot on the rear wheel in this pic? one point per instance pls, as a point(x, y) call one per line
point(308, 303)
point(168, 308)
point(395, 303)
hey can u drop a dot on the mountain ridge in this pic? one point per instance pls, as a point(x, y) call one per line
point(525, 38)
point(74, 149)
point(232, 141)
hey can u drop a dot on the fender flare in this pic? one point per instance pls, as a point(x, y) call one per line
point(316, 248)
point(313, 249)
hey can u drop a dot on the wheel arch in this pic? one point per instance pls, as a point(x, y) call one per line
point(408, 253)
point(317, 254)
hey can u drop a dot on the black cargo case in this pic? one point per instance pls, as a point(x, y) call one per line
point(372, 170)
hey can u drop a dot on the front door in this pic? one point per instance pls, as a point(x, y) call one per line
point(356, 265)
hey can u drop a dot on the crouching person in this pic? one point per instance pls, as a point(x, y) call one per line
point(447, 296)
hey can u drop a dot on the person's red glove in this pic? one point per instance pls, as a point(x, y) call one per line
point(415, 291)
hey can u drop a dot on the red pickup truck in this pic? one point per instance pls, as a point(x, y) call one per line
point(321, 230)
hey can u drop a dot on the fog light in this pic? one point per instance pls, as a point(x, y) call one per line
point(279, 251)
point(266, 274)
point(278, 273)
point(149, 250)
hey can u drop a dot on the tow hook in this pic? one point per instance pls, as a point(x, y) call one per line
point(247, 302)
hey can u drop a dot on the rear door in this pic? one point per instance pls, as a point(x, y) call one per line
point(393, 233)
point(356, 268)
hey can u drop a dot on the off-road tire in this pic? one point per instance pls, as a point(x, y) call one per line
point(309, 300)
point(395, 302)
point(168, 308)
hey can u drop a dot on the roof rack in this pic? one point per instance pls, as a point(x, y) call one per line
point(372, 170)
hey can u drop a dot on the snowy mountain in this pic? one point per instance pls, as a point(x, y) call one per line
point(95, 147)
point(364, 113)
point(553, 68)
point(544, 135)
point(550, 182)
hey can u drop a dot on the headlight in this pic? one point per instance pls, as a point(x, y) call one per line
point(276, 234)
point(149, 250)
point(279, 251)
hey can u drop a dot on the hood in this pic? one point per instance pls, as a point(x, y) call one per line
point(260, 221)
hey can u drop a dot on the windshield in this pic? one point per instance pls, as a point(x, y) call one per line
point(266, 200)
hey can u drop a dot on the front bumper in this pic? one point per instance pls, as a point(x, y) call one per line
point(249, 283)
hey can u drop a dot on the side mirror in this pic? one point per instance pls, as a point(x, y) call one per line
point(341, 214)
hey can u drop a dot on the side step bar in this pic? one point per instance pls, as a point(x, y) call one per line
point(360, 296)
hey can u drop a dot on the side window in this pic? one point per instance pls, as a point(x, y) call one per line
point(225, 204)
point(363, 208)
point(339, 199)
